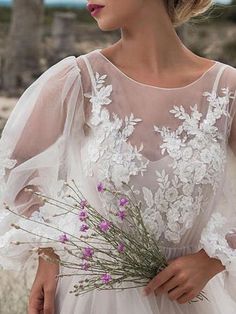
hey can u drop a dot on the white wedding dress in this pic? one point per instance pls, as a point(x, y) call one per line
point(86, 119)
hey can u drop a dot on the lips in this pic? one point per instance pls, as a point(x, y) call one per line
point(92, 7)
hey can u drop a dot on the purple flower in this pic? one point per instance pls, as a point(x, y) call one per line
point(83, 215)
point(84, 227)
point(105, 225)
point(121, 214)
point(123, 201)
point(88, 252)
point(121, 247)
point(63, 238)
point(85, 265)
point(83, 203)
point(100, 187)
point(106, 278)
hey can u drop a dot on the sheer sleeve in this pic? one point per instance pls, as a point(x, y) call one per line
point(33, 155)
point(218, 238)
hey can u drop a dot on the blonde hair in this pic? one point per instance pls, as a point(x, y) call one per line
point(181, 11)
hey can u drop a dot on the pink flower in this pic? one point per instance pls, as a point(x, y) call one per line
point(63, 238)
point(84, 227)
point(83, 203)
point(105, 225)
point(83, 215)
point(121, 214)
point(100, 187)
point(121, 248)
point(123, 201)
point(85, 265)
point(88, 252)
point(106, 278)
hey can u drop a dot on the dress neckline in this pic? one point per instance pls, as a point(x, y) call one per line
point(157, 87)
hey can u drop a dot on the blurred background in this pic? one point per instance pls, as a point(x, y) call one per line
point(35, 34)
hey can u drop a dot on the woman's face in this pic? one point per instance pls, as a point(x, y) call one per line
point(119, 13)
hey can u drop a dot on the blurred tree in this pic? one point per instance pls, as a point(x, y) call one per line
point(23, 48)
point(231, 12)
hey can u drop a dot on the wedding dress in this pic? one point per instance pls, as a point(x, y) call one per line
point(85, 119)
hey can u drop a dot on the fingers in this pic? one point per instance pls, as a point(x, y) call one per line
point(42, 301)
point(168, 285)
point(49, 297)
point(159, 279)
point(186, 297)
point(177, 293)
point(35, 305)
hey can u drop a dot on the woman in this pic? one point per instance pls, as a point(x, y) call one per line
point(176, 104)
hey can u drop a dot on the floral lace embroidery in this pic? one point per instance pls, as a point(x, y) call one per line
point(213, 240)
point(105, 146)
point(196, 148)
point(5, 162)
point(198, 159)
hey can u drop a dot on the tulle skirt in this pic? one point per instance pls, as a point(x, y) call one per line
point(132, 301)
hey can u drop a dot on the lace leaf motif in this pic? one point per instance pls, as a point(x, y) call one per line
point(196, 149)
point(105, 147)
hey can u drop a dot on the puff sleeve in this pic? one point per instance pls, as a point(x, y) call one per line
point(218, 238)
point(33, 154)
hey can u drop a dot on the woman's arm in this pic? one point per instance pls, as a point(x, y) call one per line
point(43, 290)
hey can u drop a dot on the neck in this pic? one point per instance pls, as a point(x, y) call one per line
point(153, 39)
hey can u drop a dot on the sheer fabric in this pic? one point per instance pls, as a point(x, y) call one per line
point(86, 119)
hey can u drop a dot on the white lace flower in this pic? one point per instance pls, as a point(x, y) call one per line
point(171, 194)
point(193, 171)
point(196, 149)
point(173, 215)
point(188, 188)
point(154, 223)
point(187, 153)
point(6, 162)
point(206, 155)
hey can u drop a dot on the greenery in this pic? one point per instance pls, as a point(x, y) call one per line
point(5, 14)
point(219, 13)
point(83, 16)
point(231, 12)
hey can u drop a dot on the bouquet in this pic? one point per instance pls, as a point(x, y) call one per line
point(113, 251)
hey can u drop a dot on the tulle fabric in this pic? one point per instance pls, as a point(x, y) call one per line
point(132, 300)
point(68, 125)
point(33, 149)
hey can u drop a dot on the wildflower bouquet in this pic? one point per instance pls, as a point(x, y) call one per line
point(115, 251)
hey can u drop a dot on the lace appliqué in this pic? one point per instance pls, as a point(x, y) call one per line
point(198, 157)
point(5, 162)
point(214, 239)
point(105, 147)
point(196, 149)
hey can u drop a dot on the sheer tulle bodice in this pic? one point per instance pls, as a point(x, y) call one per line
point(170, 144)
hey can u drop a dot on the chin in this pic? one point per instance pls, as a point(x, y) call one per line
point(108, 25)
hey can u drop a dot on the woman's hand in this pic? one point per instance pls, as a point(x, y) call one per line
point(41, 300)
point(185, 277)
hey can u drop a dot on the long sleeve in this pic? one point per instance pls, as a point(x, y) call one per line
point(218, 238)
point(33, 154)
